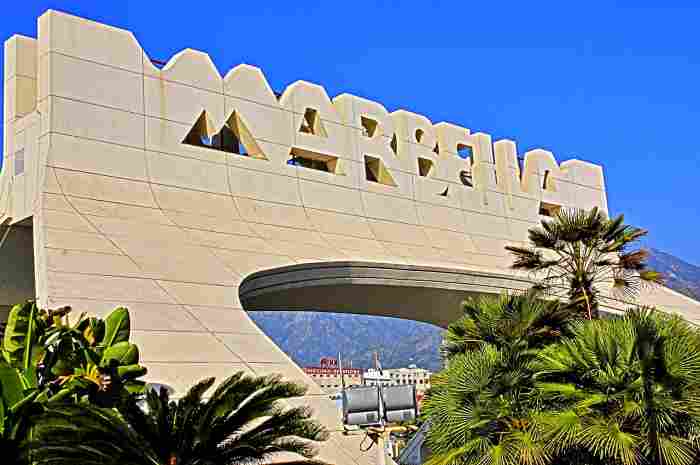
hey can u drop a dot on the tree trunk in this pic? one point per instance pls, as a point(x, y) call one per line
point(585, 298)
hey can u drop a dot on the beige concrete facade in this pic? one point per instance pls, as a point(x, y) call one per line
point(103, 159)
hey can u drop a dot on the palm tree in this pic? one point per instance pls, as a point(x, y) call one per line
point(621, 391)
point(242, 422)
point(507, 321)
point(624, 391)
point(579, 252)
point(479, 407)
point(479, 412)
point(68, 433)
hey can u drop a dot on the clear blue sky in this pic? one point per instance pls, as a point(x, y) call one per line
point(617, 85)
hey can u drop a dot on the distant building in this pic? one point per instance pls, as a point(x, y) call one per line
point(419, 377)
point(327, 375)
point(373, 377)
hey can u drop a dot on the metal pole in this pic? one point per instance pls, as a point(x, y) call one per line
point(381, 451)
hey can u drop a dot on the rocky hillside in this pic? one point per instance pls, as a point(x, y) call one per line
point(681, 276)
point(400, 342)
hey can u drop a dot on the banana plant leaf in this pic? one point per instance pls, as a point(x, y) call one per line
point(11, 386)
point(93, 330)
point(17, 330)
point(117, 327)
point(130, 372)
point(4, 419)
point(135, 387)
point(124, 353)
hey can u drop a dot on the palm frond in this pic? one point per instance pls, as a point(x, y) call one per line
point(243, 422)
point(652, 277)
point(527, 259)
point(676, 451)
point(585, 252)
point(634, 260)
point(68, 434)
point(607, 441)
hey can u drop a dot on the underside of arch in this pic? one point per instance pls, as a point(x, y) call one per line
point(421, 293)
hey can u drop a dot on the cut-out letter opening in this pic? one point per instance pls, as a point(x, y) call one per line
point(466, 177)
point(425, 166)
point(375, 171)
point(234, 137)
point(369, 127)
point(464, 151)
point(548, 182)
point(313, 160)
point(312, 124)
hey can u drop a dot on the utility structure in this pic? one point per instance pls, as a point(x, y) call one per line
point(378, 409)
point(168, 189)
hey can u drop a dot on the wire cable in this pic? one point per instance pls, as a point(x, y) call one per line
point(371, 443)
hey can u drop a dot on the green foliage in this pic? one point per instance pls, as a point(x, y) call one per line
point(18, 332)
point(242, 421)
point(621, 391)
point(476, 412)
point(117, 328)
point(90, 360)
point(11, 386)
point(21, 348)
point(516, 322)
point(16, 408)
point(46, 360)
point(479, 406)
point(67, 396)
point(629, 387)
point(88, 435)
point(578, 252)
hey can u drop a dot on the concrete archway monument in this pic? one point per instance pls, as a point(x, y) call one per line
point(190, 197)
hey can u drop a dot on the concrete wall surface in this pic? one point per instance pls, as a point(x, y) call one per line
point(126, 172)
